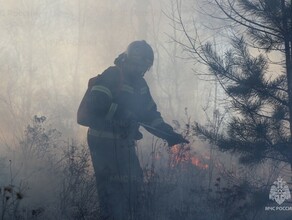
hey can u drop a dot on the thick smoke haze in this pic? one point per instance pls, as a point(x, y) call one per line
point(49, 49)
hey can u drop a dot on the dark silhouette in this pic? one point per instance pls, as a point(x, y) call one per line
point(115, 104)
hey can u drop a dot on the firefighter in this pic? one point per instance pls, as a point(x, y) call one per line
point(115, 104)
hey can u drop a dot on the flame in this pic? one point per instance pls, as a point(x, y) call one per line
point(183, 154)
point(198, 163)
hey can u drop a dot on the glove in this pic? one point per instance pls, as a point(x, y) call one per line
point(171, 137)
point(176, 138)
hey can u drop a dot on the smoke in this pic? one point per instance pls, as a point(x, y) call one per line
point(49, 50)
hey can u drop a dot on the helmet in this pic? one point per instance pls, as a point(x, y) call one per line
point(140, 53)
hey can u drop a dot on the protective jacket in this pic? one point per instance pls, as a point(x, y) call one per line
point(113, 100)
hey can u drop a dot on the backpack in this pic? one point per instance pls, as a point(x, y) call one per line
point(83, 113)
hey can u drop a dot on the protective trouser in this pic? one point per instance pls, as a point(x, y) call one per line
point(118, 176)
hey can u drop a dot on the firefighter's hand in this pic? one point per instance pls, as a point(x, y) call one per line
point(176, 139)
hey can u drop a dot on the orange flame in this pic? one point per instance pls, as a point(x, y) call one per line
point(198, 163)
point(178, 152)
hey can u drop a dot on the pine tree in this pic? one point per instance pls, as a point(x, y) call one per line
point(261, 125)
